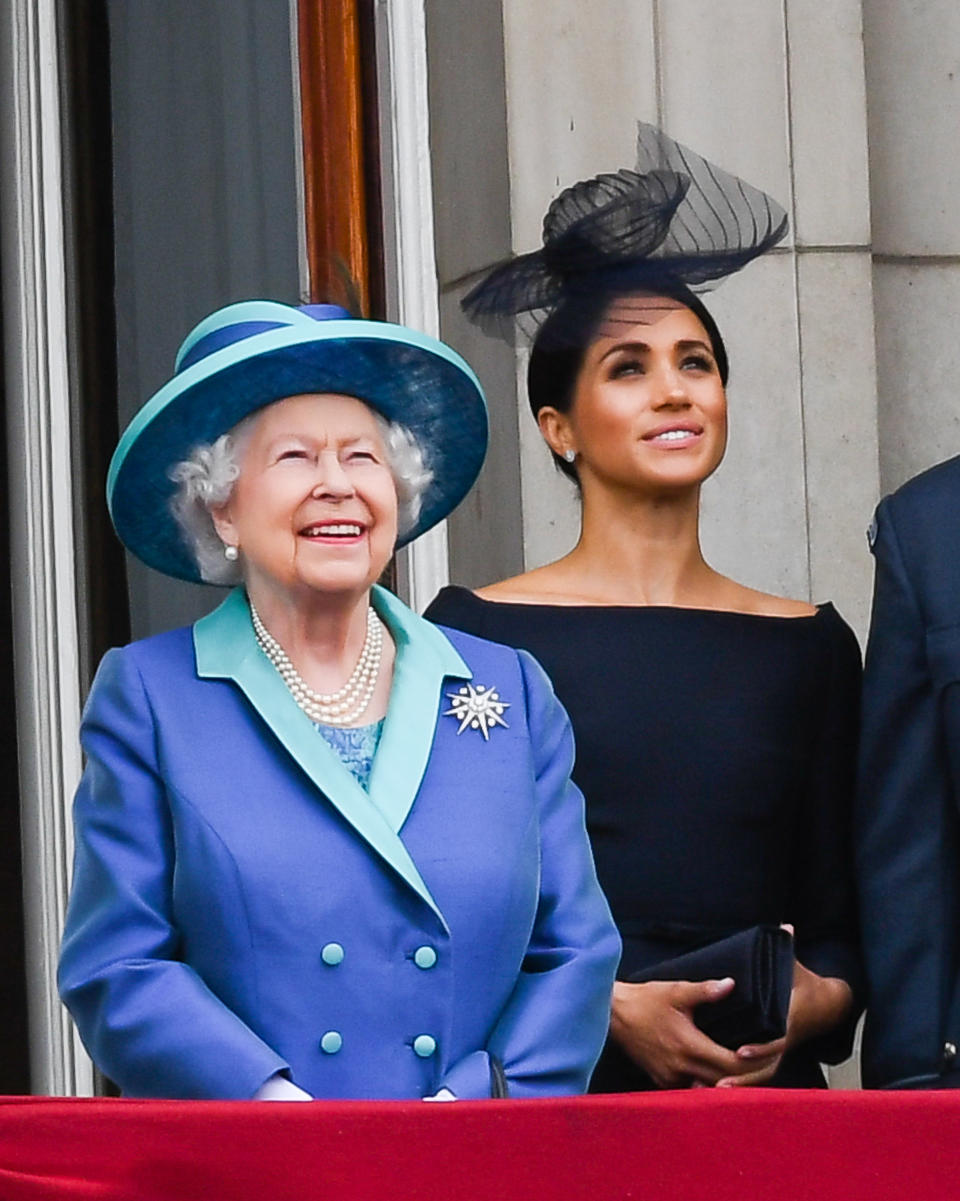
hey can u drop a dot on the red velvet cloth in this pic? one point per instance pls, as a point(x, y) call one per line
point(656, 1147)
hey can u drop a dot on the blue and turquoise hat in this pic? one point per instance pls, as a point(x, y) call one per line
point(248, 355)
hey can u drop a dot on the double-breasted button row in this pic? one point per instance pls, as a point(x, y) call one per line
point(425, 957)
point(424, 1045)
point(332, 954)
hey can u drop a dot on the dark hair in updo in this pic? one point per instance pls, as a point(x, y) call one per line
point(560, 347)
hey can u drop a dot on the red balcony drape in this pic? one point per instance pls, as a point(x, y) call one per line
point(665, 1147)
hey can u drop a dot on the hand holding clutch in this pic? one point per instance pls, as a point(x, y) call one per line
point(653, 1039)
point(760, 962)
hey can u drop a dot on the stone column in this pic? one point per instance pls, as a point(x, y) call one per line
point(913, 98)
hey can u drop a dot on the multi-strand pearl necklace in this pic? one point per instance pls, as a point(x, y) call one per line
point(339, 708)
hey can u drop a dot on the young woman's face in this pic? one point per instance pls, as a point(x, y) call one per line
point(315, 505)
point(649, 410)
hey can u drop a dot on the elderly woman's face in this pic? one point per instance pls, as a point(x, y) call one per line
point(315, 505)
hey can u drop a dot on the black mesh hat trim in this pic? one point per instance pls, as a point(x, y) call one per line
point(675, 221)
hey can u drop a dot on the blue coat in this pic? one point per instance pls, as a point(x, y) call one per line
point(241, 906)
point(908, 809)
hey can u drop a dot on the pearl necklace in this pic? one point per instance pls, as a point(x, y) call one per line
point(339, 708)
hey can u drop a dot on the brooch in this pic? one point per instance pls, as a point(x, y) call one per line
point(477, 708)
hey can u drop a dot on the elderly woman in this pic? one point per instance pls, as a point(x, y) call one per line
point(323, 849)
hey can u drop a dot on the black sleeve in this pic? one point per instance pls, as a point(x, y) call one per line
point(824, 888)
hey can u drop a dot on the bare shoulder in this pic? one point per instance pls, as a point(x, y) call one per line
point(765, 604)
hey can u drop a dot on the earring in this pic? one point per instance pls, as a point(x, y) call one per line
point(230, 553)
point(569, 455)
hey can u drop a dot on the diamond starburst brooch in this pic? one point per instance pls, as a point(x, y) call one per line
point(477, 708)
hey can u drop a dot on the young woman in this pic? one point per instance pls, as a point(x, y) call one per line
point(715, 724)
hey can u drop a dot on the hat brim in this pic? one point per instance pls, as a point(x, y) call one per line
point(406, 376)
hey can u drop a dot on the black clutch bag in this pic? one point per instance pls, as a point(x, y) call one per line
point(760, 960)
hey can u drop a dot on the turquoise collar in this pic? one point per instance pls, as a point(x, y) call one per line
point(226, 648)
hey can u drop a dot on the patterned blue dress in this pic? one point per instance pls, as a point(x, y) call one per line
point(355, 746)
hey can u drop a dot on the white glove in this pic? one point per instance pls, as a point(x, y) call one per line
point(279, 1088)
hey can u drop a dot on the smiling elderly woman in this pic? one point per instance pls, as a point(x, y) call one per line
point(323, 848)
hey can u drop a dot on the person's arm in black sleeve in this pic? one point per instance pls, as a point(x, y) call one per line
point(824, 913)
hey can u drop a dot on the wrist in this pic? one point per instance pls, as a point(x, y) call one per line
point(623, 1002)
point(819, 1004)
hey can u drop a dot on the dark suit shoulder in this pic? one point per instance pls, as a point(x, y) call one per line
point(932, 492)
point(918, 541)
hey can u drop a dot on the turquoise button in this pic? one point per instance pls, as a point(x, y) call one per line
point(331, 1042)
point(332, 954)
point(424, 1045)
point(425, 957)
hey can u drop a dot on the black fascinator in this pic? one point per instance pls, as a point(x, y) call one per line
point(675, 223)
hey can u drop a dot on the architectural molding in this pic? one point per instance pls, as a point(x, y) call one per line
point(41, 508)
point(411, 256)
point(329, 82)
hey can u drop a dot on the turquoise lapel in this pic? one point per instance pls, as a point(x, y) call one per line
point(226, 648)
point(424, 658)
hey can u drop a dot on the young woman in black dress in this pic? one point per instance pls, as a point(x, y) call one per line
point(715, 725)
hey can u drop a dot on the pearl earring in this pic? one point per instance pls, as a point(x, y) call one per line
point(230, 553)
point(569, 455)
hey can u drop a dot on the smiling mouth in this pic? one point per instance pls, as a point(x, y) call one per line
point(675, 435)
point(332, 529)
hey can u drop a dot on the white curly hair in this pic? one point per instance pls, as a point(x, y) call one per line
point(206, 477)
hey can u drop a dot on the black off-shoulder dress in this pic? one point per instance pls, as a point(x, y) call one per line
point(716, 752)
